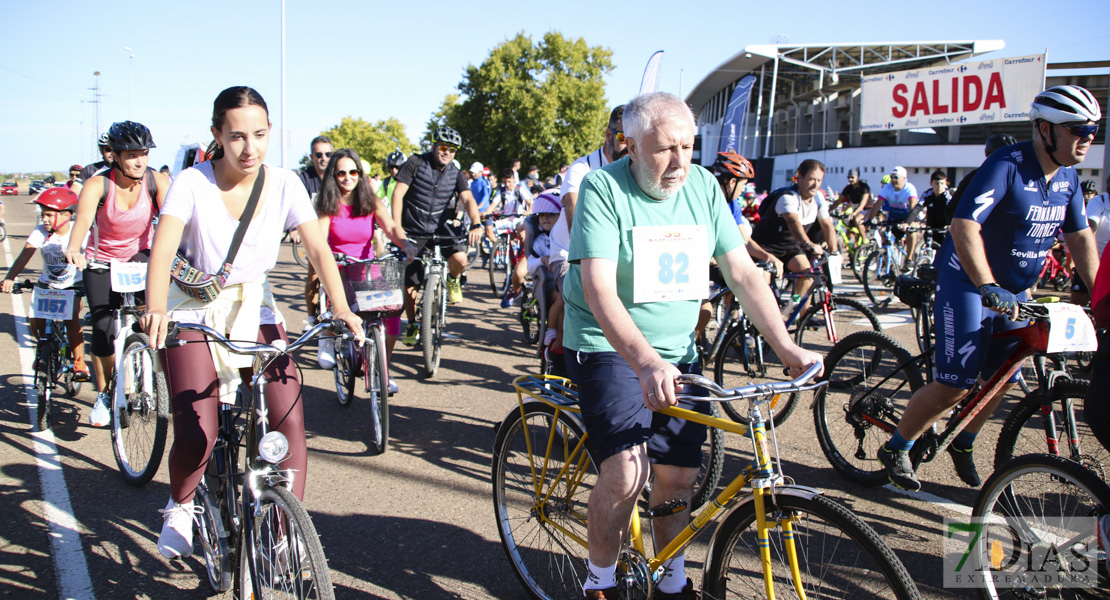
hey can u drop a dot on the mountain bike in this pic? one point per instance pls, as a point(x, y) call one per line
point(375, 290)
point(140, 400)
point(1030, 507)
point(254, 533)
point(431, 312)
point(506, 253)
point(871, 379)
point(778, 539)
point(53, 361)
point(819, 318)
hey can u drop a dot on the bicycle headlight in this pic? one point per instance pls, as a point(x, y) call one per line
point(274, 447)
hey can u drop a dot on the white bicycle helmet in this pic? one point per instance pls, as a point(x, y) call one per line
point(1065, 104)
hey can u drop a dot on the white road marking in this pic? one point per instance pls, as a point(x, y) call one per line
point(57, 512)
point(933, 500)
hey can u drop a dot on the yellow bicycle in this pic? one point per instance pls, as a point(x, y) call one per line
point(777, 538)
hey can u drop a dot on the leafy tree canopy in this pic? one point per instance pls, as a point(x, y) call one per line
point(543, 103)
point(372, 141)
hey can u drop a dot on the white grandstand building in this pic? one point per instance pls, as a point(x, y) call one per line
point(816, 108)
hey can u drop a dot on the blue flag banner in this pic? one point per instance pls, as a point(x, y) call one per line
point(733, 125)
point(650, 82)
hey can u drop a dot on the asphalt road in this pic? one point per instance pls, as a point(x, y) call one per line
point(416, 522)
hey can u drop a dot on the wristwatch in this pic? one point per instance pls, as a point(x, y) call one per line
point(474, 226)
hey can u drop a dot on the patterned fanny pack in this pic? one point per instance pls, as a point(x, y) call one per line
point(205, 287)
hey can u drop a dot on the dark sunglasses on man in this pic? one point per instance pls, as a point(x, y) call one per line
point(1081, 130)
point(323, 155)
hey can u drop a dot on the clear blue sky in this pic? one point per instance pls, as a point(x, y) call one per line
point(376, 60)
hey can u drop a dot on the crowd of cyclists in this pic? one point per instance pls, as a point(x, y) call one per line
point(119, 210)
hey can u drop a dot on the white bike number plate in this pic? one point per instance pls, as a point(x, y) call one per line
point(128, 277)
point(671, 262)
point(836, 263)
point(1070, 329)
point(53, 305)
point(377, 300)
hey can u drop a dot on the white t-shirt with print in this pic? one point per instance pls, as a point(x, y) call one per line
point(56, 270)
point(194, 199)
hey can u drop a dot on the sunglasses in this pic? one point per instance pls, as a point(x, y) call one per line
point(447, 148)
point(1081, 131)
point(351, 173)
point(323, 155)
point(619, 134)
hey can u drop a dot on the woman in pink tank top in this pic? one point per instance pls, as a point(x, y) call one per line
point(122, 203)
point(349, 211)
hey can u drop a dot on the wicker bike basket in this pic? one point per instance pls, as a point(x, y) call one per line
point(376, 288)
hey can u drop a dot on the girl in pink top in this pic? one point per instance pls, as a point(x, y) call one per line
point(348, 211)
point(132, 196)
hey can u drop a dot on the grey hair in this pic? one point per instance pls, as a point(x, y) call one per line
point(647, 110)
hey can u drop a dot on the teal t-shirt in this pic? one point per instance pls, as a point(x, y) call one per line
point(610, 205)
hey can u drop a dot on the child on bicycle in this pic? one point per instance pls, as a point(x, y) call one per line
point(52, 237)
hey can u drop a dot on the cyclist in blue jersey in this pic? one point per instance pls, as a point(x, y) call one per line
point(1003, 228)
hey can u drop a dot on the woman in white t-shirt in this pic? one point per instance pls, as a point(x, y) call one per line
point(199, 219)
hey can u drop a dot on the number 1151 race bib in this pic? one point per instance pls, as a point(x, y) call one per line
point(670, 262)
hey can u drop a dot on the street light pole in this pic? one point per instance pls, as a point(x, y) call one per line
point(130, 58)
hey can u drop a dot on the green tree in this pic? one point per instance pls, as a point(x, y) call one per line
point(543, 103)
point(372, 141)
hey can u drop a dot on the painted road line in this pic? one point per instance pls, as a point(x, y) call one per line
point(70, 568)
point(933, 500)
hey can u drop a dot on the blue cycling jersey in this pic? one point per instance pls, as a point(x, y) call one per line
point(1019, 213)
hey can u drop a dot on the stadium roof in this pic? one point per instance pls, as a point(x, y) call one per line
point(810, 60)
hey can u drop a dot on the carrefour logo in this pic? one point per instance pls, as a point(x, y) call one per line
point(890, 77)
point(963, 119)
point(890, 125)
point(962, 68)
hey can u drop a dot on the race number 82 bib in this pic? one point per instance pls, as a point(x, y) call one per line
point(670, 262)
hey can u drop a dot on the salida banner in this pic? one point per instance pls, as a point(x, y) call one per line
point(989, 91)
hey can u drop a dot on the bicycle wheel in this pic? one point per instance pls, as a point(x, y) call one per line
point(848, 316)
point(377, 387)
point(281, 555)
point(346, 365)
point(529, 315)
point(499, 267)
point(140, 421)
point(543, 474)
point(1035, 502)
point(299, 254)
point(746, 358)
point(879, 275)
point(1025, 429)
point(44, 384)
point(839, 556)
point(3, 231)
point(430, 323)
point(213, 541)
point(871, 378)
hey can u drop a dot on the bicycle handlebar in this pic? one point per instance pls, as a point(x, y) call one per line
point(324, 321)
point(758, 390)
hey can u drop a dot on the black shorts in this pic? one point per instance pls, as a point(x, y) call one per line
point(616, 419)
point(1077, 284)
point(102, 301)
point(414, 271)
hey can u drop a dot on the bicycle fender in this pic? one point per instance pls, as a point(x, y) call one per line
point(799, 491)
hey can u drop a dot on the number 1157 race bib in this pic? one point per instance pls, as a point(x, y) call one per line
point(670, 262)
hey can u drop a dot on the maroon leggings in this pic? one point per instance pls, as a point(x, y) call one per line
point(191, 376)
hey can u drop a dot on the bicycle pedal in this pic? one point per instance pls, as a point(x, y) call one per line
point(672, 507)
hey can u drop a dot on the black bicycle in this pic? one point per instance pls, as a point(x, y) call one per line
point(255, 534)
point(53, 360)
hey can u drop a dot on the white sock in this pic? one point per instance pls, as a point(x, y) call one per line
point(674, 576)
point(600, 578)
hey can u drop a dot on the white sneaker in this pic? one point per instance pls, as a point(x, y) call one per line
point(285, 562)
point(100, 416)
point(325, 355)
point(176, 539)
point(393, 389)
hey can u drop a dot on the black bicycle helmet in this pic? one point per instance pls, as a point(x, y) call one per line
point(102, 141)
point(999, 140)
point(446, 135)
point(1089, 186)
point(395, 159)
point(129, 135)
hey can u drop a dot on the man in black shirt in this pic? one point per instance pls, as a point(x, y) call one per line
point(423, 205)
point(856, 194)
point(319, 156)
point(105, 162)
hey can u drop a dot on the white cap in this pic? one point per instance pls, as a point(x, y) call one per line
point(476, 167)
point(899, 171)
